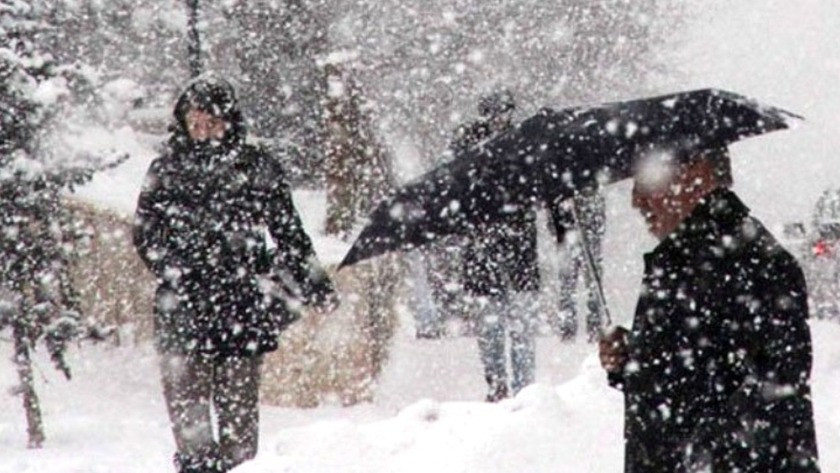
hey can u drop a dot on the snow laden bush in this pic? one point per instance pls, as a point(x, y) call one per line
point(37, 167)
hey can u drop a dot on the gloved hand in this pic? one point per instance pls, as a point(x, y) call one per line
point(326, 302)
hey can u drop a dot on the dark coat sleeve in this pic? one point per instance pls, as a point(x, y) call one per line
point(294, 259)
point(764, 341)
point(150, 223)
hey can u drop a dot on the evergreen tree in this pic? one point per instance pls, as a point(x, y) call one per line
point(425, 72)
point(145, 41)
point(276, 45)
point(37, 300)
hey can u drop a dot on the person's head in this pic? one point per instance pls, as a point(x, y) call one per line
point(497, 108)
point(668, 185)
point(208, 112)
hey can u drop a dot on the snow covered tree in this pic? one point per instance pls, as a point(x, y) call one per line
point(275, 46)
point(424, 63)
point(358, 177)
point(358, 169)
point(37, 298)
point(145, 41)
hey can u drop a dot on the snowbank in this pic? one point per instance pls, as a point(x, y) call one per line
point(111, 418)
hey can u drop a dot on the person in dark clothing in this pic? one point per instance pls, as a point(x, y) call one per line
point(501, 276)
point(495, 117)
point(206, 210)
point(592, 211)
point(715, 369)
point(500, 271)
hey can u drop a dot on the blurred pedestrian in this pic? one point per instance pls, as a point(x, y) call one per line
point(592, 210)
point(500, 271)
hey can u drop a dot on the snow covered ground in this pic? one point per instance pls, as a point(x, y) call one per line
point(111, 417)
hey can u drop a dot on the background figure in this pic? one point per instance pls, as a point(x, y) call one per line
point(443, 263)
point(500, 271)
point(501, 279)
point(427, 320)
point(593, 221)
point(203, 217)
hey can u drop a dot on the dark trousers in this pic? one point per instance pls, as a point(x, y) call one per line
point(575, 265)
point(195, 385)
point(514, 316)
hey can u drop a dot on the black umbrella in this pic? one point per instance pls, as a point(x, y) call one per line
point(552, 155)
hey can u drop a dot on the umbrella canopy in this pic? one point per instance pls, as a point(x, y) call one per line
point(550, 157)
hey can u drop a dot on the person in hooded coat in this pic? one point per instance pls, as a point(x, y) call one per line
point(500, 272)
point(715, 369)
point(207, 207)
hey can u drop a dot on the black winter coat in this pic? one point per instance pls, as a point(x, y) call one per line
point(201, 226)
point(502, 255)
point(719, 352)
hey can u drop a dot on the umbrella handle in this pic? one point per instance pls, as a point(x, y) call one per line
point(590, 264)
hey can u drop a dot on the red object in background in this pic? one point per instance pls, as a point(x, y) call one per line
point(821, 248)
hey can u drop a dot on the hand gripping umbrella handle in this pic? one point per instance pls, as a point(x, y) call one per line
point(590, 264)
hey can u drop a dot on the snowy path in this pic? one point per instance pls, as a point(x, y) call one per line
point(111, 417)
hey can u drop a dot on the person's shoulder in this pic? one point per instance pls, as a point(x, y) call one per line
point(170, 154)
point(469, 134)
point(158, 175)
point(162, 164)
point(264, 163)
point(762, 251)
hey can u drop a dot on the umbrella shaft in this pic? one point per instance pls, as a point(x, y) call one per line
point(590, 264)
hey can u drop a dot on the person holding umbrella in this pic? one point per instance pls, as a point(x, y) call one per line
point(206, 209)
point(500, 273)
point(716, 367)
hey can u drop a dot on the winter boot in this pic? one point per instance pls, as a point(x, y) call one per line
point(497, 391)
point(195, 464)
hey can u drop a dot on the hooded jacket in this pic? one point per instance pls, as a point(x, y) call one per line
point(203, 222)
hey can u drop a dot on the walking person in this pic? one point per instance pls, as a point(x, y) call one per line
point(592, 210)
point(500, 272)
point(716, 367)
point(207, 207)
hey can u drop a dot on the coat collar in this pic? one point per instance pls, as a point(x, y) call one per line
point(718, 213)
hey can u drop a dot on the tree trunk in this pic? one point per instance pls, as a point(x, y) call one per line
point(358, 167)
point(194, 40)
point(35, 427)
point(339, 123)
point(387, 273)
